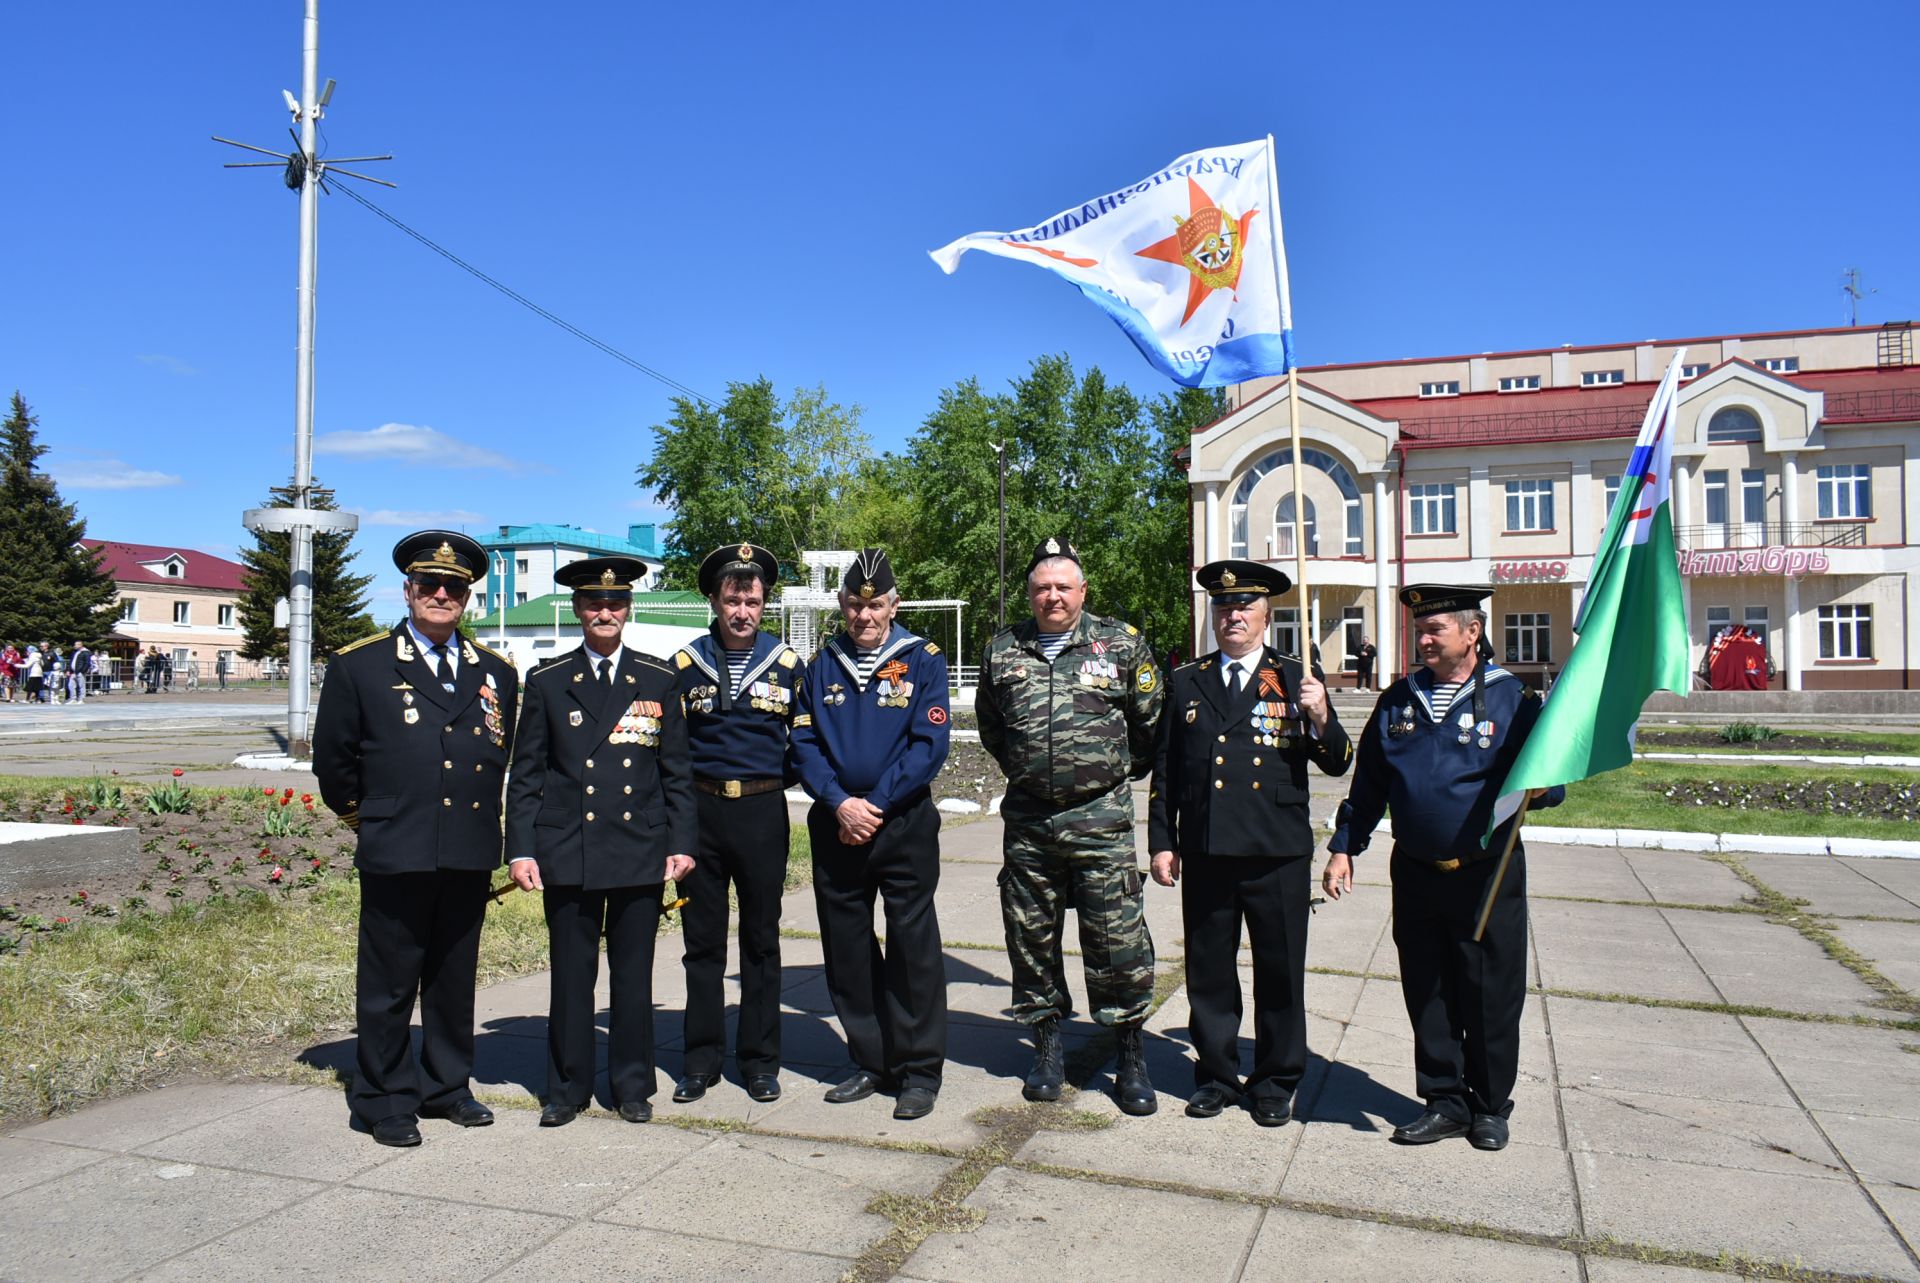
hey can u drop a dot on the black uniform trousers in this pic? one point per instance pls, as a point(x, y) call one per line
point(576, 919)
point(893, 1004)
point(419, 936)
point(1271, 894)
point(1463, 999)
point(742, 840)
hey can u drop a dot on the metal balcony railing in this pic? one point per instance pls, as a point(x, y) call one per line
point(1767, 534)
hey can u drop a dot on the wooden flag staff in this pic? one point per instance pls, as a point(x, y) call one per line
point(1500, 870)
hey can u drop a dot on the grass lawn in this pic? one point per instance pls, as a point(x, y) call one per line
point(1653, 739)
point(1622, 800)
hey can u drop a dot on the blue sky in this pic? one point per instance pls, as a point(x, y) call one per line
point(729, 191)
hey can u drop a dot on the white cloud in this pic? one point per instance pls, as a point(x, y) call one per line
point(411, 443)
point(171, 364)
point(103, 472)
point(450, 519)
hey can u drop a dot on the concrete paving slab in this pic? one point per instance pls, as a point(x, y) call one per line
point(365, 1234)
point(1799, 977)
point(125, 1213)
point(25, 1163)
point(133, 1121)
point(823, 1193)
point(1892, 947)
point(1652, 1026)
point(572, 1171)
point(1844, 1068)
point(1586, 872)
point(1883, 1150)
point(306, 1134)
point(1901, 877)
point(1345, 936)
point(1122, 1233)
point(1295, 1245)
point(1230, 1152)
point(1816, 1224)
point(1673, 976)
point(949, 1126)
point(1524, 1187)
point(1832, 886)
point(1680, 877)
point(1742, 1076)
point(1733, 932)
point(1688, 1130)
point(594, 1252)
point(1902, 1206)
point(1601, 1269)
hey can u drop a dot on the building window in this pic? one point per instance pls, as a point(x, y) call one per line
point(1520, 383)
point(173, 569)
point(1612, 484)
point(1281, 545)
point(181, 611)
point(130, 610)
point(1715, 483)
point(1755, 618)
point(226, 616)
point(1845, 493)
point(519, 565)
point(1602, 378)
point(519, 599)
point(1312, 458)
point(1694, 371)
point(1781, 364)
point(1719, 619)
point(1446, 387)
point(1529, 505)
point(1286, 630)
point(1431, 509)
point(1529, 638)
point(1353, 627)
point(1753, 495)
point(1846, 632)
point(1733, 424)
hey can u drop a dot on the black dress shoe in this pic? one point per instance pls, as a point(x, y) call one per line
point(858, 1087)
point(465, 1112)
point(1488, 1132)
point(558, 1115)
point(637, 1111)
point(401, 1131)
point(1272, 1111)
point(763, 1087)
point(693, 1087)
point(914, 1102)
point(1208, 1102)
point(1428, 1128)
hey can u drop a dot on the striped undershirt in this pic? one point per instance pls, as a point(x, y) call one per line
point(1443, 696)
point(737, 661)
point(1051, 644)
point(866, 661)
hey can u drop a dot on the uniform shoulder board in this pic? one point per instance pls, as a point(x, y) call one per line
point(551, 661)
point(485, 649)
point(1193, 663)
point(681, 659)
point(931, 649)
point(368, 640)
point(1131, 630)
point(654, 661)
point(787, 658)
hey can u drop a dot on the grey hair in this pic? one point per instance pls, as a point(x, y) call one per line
point(891, 595)
point(1055, 561)
point(1465, 617)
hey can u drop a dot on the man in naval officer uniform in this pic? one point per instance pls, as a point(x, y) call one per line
point(870, 736)
point(1436, 750)
point(410, 748)
point(1229, 813)
point(600, 816)
point(740, 686)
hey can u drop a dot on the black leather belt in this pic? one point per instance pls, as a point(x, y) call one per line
point(738, 788)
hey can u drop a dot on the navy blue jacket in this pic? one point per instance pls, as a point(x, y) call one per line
point(742, 738)
point(884, 743)
point(1441, 792)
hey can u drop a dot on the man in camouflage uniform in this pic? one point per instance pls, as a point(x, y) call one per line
point(1069, 706)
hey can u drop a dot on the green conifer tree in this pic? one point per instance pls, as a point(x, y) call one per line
point(339, 597)
point(51, 588)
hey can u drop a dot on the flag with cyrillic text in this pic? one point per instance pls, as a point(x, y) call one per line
point(1189, 261)
point(1631, 627)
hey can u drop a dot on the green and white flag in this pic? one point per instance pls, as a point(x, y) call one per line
point(1631, 632)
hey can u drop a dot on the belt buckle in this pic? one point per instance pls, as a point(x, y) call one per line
point(730, 788)
point(1447, 866)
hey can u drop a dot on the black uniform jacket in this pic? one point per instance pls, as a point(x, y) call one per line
point(602, 788)
point(416, 768)
point(1230, 777)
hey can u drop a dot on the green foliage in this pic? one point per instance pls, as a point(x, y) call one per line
point(339, 596)
point(1747, 733)
point(51, 589)
point(104, 794)
point(170, 798)
point(777, 473)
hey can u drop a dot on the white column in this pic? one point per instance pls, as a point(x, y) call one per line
point(1479, 512)
point(1383, 638)
point(1790, 659)
point(1210, 533)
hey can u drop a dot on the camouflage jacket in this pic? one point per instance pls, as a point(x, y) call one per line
point(1071, 730)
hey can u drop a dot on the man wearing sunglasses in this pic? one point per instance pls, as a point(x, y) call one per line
point(410, 748)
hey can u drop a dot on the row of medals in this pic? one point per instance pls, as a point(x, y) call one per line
point(1469, 730)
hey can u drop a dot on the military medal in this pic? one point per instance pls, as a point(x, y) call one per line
point(1486, 734)
point(574, 718)
point(1193, 714)
point(412, 715)
point(1466, 727)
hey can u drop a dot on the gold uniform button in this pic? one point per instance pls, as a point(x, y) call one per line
point(446, 801)
point(476, 730)
point(626, 815)
point(1219, 784)
point(449, 730)
point(589, 817)
point(1256, 783)
point(629, 788)
point(626, 761)
point(589, 790)
point(589, 764)
point(1219, 761)
point(476, 805)
point(1223, 739)
point(446, 765)
point(1256, 761)
point(478, 768)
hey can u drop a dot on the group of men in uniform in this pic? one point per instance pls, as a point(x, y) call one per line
point(629, 775)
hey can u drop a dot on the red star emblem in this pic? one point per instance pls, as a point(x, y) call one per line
point(1210, 243)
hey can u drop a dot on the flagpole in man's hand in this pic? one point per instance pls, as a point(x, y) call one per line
point(1282, 287)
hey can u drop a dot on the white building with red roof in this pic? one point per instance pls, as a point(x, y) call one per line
point(1796, 494)
point(181, 600)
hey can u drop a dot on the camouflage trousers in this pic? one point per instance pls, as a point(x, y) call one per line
point(1082, 858)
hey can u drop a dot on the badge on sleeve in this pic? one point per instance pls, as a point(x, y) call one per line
point(1146, 679)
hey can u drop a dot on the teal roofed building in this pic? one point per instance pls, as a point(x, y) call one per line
point(522, 560)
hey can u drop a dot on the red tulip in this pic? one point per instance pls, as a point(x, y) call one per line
point(277, 874)
point(177, 772)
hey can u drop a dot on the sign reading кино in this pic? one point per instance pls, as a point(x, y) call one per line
point(1790, 562)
